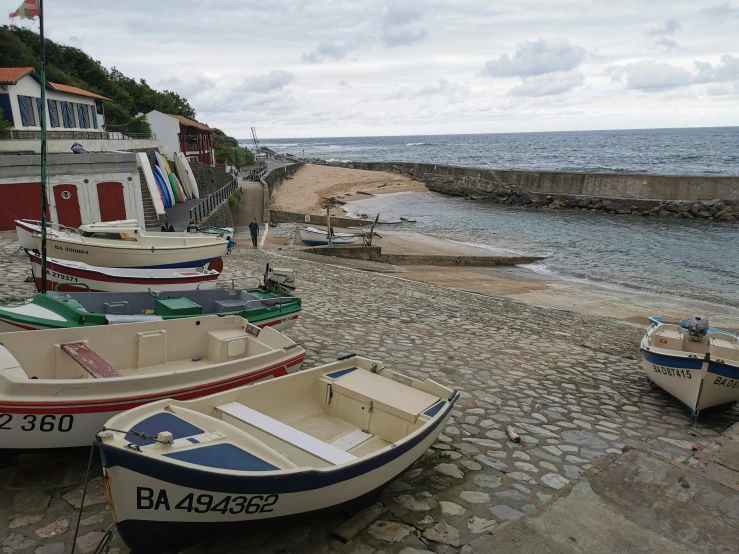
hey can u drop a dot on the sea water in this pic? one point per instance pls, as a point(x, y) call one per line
point(705, 151)
point(695, 259)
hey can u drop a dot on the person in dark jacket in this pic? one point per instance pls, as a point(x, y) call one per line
point(254, 230)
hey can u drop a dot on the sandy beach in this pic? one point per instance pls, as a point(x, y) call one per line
point(303, 193)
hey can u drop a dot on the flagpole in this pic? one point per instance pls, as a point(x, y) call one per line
point(42, 115)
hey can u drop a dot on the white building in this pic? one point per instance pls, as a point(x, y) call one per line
point(180, 134)
point(68, 108)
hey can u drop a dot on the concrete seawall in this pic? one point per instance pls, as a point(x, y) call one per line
point(691, 196)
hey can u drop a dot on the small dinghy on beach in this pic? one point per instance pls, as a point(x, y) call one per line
point(323, 438)
point(695, 363)
point(319, 237)
point(59, 386)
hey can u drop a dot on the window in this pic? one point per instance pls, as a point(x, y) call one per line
point(53, 113)
point(28, 116)
point(94, 112)
point(67, 115)
point(83, 116)
point(109, 236)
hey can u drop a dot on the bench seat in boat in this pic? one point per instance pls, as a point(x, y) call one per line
point(288, 434)
point(89, 360)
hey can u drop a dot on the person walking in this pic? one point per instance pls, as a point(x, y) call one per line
point(254, 230)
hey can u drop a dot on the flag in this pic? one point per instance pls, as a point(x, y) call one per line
point(27, 10)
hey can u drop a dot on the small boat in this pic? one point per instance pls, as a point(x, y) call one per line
point(227, 232)
point(323, 438)
point(125, 244)
point(59, 386)
point(697, 364)
point(319, 237)
point(64, 275)
point(266, 306)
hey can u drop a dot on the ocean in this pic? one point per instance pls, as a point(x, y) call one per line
point(676, 258)
point(704, 151)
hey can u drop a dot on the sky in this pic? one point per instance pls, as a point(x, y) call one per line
point(330, 68)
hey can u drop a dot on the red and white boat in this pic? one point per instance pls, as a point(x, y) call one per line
point(58, 387)
point(26, 228)
point(76, 276)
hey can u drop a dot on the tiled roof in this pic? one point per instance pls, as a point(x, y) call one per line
point(10, 75)
point(74, 90)
point(190, 122)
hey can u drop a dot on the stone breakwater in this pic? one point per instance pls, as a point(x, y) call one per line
point(688, 197)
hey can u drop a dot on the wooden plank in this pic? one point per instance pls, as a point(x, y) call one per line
point(358, 523)
point(286, 433)
point(89, 360)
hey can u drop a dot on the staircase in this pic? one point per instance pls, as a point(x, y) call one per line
point(151, 220)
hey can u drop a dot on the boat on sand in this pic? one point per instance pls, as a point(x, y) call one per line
point(695, 363)
point(59, 386)
point(319, 237)
point(323, 438)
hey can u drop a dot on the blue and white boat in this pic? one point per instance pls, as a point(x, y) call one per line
point(317, 440)
point(319, 237)
point(695, 363)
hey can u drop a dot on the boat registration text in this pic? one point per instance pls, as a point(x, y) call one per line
point(68, 249)
point(672, 372)
point(149, 499)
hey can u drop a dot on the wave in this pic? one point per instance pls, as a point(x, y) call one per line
point(416, 143)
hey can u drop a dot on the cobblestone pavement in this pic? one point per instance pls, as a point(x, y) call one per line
point(571, 385)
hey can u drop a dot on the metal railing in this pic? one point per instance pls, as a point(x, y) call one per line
point(211, 202)
point(75, 135)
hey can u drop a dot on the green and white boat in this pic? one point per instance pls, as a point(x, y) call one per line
point(270, 306)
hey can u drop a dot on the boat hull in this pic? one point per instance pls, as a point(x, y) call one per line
point(147, 495)
point(694, 382)
point(61, 424)
point(100, 279)
point(317, 237)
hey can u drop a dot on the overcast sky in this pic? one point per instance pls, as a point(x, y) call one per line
point(315, 68)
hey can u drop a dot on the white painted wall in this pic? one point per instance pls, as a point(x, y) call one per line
point(167, 130)
point(28, 86)
point(88, 195)
point(64, 146)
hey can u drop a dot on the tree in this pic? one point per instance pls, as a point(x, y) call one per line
point(5, 125)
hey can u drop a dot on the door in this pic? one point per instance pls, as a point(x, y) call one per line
point(19, 201)
point(67, 205)
point(111, 201)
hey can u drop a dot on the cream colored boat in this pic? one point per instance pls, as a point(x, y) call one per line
point(58, 387)
point(320, 439)
point(125, 244)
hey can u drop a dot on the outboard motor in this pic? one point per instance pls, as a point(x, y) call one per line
point(698, 327)
point(279, 277)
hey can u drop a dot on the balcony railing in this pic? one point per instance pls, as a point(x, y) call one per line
point(211, 202)
point(75, 135)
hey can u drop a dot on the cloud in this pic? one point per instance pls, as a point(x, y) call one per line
point(654, 76)
point(667, 43)
point(669, 27)
point(537, 58)
point(329, 51)
point(344, 84)
point(272, 81)
point(400, 27)
point(726, 71)
point(721, 12)
point(548, 85)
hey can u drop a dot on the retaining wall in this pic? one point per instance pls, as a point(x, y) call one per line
point(278, 216)
point(691, 196)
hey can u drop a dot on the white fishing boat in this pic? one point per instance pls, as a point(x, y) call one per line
point(319, 237)
point(125, 244)
point(65, 275)
point(58, 387)
point(695, 363)
point(316, 440)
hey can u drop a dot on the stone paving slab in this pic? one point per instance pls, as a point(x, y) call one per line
point(571, 385)
point(635, 502)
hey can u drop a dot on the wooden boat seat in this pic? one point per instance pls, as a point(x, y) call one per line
point(724, 349)
point(89, 360)
point(277, 429)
